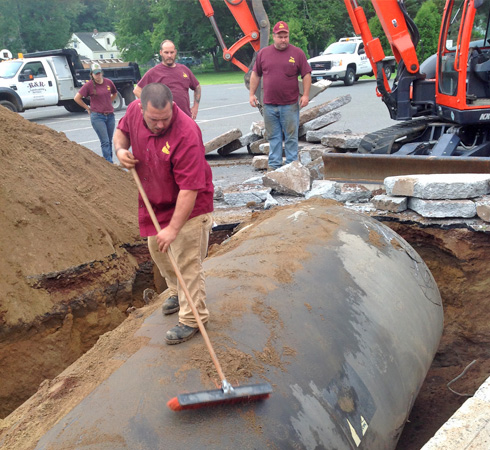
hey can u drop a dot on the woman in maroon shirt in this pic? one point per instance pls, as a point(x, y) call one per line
point(101, 92)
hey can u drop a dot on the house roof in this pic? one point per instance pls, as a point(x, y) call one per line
point(90, 42)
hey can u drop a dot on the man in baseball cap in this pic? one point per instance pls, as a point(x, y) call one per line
point(280, 26)
point(279, 65)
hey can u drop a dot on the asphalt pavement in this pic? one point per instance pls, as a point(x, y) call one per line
point(224, 107)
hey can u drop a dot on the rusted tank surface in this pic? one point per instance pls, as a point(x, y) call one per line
point(334, 309)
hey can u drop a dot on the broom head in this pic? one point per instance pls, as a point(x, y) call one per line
point(239, 394)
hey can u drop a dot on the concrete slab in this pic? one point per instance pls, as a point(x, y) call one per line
point(469, 426)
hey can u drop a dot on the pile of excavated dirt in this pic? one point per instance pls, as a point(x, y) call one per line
point(69, 226)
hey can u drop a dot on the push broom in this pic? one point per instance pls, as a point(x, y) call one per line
point(227, 393)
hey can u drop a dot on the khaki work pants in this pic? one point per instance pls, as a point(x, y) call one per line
point(189, 250)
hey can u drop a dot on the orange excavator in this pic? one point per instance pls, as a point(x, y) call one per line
point(443, 104)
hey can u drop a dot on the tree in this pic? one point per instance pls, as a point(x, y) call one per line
point(428, 22)
point(46, 24)
point(95, 14)
point(10, 27)
point(134, 27)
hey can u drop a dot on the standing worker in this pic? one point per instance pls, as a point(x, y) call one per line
point(177, 77)
point(279, 65)
point(168, 155)
point(102, 93)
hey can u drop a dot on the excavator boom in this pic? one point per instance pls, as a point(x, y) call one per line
point(444, 102)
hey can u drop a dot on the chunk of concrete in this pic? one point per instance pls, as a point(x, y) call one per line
point(291, 179)
point(324, 108)
point(351, 192)
point(468, 428)
point(319, 123)
point(222, 140)
point(317, 135)
point(390, 203)
point(439, 186)
point(343, 141)
point(442, 208)
point(243, 198)
point(258, 128)
point(308, 155)
point(260, 162)
point(317, 169)
point(322, 188)
point(255, 146)
point(264, 148)
point(270, 202)
point(483, 208)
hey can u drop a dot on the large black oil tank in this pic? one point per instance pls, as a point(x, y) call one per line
point(331, 307)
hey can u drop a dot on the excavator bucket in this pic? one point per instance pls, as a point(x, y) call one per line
point(375, 168)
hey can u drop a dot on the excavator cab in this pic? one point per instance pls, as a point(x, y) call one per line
point(463, 94)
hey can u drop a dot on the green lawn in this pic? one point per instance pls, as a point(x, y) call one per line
point(232, 77)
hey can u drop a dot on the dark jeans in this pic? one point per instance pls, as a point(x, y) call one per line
point(104, 127)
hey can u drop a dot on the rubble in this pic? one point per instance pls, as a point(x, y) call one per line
point(291, 179)
point(439, 186)
point(344, 141)
point(222, 140)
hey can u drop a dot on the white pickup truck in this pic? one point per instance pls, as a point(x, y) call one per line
point(345, 60)
point(53, 78)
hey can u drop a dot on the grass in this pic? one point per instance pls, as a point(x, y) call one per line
point(231, 77)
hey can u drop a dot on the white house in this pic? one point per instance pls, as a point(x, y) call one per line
point(95, 46)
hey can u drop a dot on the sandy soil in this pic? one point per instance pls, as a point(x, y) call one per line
point(52, 214)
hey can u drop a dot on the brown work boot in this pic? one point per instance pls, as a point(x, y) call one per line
point(180, 333)
point(171, 305)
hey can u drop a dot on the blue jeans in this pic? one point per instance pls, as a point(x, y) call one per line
point(104, 127)
point(282, 120)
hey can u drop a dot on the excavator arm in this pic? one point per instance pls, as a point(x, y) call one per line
point(254, 25)
point(402, 35)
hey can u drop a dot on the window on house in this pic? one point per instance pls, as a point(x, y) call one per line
point(108, 41)
point(112, 55)
point(101, 57)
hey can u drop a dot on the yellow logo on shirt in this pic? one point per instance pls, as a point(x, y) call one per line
point(291, 60)
point(108, 88)
point(185, 75)
point(166, 149)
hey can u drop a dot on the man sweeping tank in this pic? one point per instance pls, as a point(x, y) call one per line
point(168, 155)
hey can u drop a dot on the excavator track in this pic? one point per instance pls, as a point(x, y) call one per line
point(389, 140)
point(402, 149)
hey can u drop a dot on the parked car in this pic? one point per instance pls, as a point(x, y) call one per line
point(188, 61)
point(345, 60)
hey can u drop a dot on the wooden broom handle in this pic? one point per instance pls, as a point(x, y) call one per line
point(179, 277)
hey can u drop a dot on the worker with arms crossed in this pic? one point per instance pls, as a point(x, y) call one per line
point(279, 66)
point(168, 155)
point(177, 77)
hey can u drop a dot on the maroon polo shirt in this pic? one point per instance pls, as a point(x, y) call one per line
point(100, 97)
point(279, 70)
point(168, 163)
point(179, 80)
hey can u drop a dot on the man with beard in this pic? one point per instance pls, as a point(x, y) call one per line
point(279, 65)
point(168, 155)
point(177, 77)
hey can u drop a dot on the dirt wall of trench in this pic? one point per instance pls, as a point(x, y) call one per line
point(458, 259)
point(70, 253)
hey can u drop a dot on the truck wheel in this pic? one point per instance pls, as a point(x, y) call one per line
point(117, 103)
point(128, 95)
point(9, 105)
point(388, 72)
point(350, 76)
point(73, 107)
